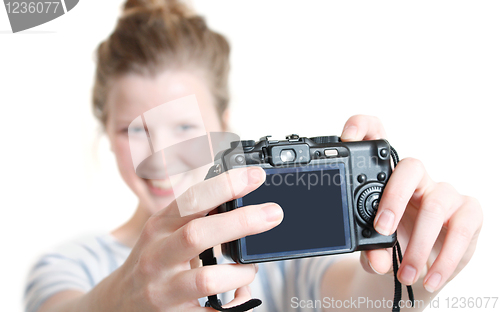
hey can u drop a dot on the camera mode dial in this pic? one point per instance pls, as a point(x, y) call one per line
point(243, 143)
point(326, 139)
point(247, 143)
point(368, 203)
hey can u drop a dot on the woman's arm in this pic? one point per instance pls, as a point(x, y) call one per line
point(161, 273)
point(105, 296)
point(62, 301)
point(437, 228)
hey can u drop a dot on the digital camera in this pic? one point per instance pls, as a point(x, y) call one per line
point(329, 192)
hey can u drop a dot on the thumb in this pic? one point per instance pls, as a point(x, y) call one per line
point(377, 261)
point(241, 295)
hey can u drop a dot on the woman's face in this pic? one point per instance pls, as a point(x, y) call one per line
point(132, 95)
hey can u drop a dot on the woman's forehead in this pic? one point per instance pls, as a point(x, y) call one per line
point(133, 94)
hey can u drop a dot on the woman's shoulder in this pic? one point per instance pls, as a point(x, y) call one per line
point(98, 253)
point(79, 264)
point(90, 245)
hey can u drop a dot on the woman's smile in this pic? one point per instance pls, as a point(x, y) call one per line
point(164, 187)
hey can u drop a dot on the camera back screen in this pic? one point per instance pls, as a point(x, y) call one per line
point(314, 203)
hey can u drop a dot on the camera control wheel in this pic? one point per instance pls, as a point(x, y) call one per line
point(326, 139)
point(368, 203)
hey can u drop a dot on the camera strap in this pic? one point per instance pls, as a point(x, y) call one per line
point(208, 258)
point(398, 255)
point(397, 284)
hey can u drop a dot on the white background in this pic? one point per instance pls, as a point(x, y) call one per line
point(430, 70)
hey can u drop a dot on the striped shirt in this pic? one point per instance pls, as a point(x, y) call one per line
point(83, 263)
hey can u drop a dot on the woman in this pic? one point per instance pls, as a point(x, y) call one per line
point(161, 52)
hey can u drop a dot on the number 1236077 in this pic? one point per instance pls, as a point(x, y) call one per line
point(39, 7)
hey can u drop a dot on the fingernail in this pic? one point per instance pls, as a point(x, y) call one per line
point(255, 175)
point(256, 267)
point(349, 133)
point(408, 274)
point(273, 212)
point(371, 266)
point(432, 283)
point(385, 222)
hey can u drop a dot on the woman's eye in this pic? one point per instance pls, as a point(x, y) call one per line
point(134, 130)
point(185, 127)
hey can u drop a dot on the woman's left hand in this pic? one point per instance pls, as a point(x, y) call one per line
point(437, 227)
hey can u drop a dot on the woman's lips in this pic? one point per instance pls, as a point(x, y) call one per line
point(163, 187)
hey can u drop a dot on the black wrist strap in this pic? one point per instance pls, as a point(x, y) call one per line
point(208, 258)
point(397, 255)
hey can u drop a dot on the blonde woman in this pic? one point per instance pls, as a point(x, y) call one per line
point(159, 52)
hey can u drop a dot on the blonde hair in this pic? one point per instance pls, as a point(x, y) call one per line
point(154, 35)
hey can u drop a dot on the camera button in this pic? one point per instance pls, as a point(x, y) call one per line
point(331, 152)
point(367, 233)
point(384, 153)
point(381, 176)
point(361, 178)
point(240, 159)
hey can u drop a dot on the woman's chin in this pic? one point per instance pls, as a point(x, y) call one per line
point(161, 193)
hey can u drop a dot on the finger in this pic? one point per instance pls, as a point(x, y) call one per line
point(203, 233)
point(463, 227)
point(241, 295)
point(203, 197)
point(377, 261)
point(195, 263)
point(362, 127)
point(435, 205)
point(210, 280)
point(408, 177)
point(199, 199)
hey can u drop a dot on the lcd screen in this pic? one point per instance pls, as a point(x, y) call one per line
point(314, 203)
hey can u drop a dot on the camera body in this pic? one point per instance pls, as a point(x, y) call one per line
point(329, 191)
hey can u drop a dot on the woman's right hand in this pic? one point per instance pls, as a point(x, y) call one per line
point(162, 272)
